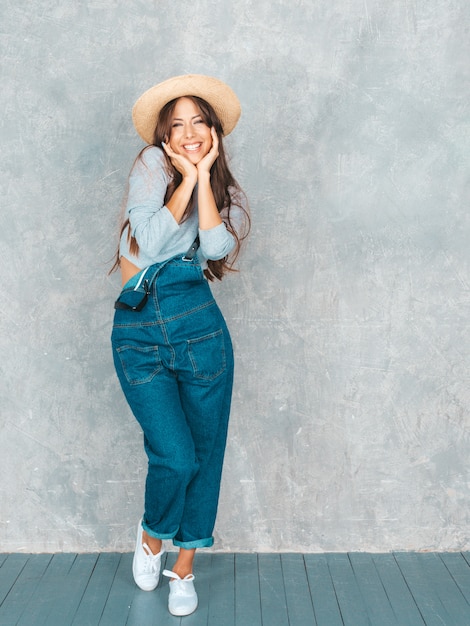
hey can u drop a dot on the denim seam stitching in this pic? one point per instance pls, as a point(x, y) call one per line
point(166, 319)
point(190, 311)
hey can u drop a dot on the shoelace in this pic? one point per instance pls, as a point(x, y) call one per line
point(151, 560)
point(180, 586)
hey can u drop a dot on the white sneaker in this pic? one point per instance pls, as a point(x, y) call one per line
point(146, 565)
point(183, 597)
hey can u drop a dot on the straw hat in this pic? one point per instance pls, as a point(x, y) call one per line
point(220, 96)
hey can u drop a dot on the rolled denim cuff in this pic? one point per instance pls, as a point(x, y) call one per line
point(199, 543)
point(156, 535)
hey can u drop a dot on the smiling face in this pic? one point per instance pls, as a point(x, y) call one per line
point(189, 136)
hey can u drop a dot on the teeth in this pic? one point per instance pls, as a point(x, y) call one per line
point(192, 146)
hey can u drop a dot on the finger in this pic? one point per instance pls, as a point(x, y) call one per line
point(214, 151)
point(215, 138)
point(169, 150)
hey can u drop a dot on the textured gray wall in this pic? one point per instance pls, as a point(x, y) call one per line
point(350, 317)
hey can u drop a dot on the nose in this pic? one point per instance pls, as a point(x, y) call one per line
point(189, 130)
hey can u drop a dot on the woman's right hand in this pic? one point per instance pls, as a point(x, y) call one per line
point(181, 163)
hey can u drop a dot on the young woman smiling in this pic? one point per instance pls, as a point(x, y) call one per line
point(185, 217)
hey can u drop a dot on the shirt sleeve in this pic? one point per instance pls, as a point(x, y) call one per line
point(151, 222)
point(218, 242)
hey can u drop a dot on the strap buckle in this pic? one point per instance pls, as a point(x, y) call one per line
point(190, 254)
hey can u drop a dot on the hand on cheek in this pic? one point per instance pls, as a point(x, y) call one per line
point(180, 162)
point(208, 161)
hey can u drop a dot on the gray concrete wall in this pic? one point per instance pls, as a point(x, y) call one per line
point(350, 315)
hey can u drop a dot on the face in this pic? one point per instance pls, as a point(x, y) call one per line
point(189, 135)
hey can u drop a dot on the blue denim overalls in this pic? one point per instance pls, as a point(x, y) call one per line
point(173, 357)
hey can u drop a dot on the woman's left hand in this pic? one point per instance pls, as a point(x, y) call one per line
point(208, 161)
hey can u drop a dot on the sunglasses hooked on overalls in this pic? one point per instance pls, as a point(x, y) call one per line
point(147, 283)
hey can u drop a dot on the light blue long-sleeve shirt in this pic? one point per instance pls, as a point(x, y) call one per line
point(158, 234)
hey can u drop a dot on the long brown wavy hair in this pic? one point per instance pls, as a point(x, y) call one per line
point(227, 192)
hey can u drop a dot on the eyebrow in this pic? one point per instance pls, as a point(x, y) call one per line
point(180, 119)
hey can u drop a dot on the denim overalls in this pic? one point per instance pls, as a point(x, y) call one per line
point(173, 357)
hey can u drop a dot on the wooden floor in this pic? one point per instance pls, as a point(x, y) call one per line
point(404, 589)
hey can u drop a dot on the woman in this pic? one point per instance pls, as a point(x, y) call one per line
point(185, 218)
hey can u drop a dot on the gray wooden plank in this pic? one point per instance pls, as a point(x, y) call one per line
point(445, 587)
point(247, 591)
point(428, 602)
point(272, 592)
point(398, 593)
point(150, 608)
point(322, 591)
point(3, 557)
point(372, 590)
point(222, 591)
point(96, 593)
point(69, 592)
point(9, 572)
point(299, 602)
point(120, 595)
point(41, 601)
point(352, 606)
point(23, 588)
point(459, 569)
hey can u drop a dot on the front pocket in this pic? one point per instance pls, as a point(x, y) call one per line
point(207, 355)
point(140, 365)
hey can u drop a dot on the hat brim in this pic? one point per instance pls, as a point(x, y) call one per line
point(220, 96)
